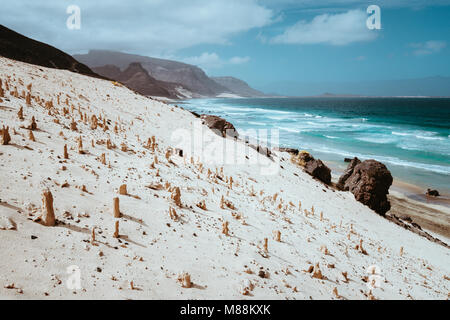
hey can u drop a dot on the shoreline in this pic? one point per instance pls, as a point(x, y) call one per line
point(431, 217)
point(409, 202)
point(418, 180)
point(409, 190)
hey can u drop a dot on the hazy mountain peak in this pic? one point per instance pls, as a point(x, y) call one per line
point(189, 76)
point(238, 86)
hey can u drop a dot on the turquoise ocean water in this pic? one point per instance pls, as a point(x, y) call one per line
point(410, 135)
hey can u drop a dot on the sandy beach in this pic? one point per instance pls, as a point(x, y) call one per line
point(215, 221)
point(408, 200)
point(431, 217)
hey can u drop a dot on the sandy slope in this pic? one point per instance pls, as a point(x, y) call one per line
point(153, 249)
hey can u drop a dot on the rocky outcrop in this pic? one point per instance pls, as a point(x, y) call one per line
point(219, 126)
point(347, 173)
point(288, 150)
point(319, 170)
point(415, 228)
point(369, 181)
point(237, 86)
point(301, 158)
point(432, 193)
point(314, 167)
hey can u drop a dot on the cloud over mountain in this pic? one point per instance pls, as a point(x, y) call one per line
point(212, 60)
point(157, 27)
point(334, 29)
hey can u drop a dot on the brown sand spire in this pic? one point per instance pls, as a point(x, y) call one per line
point(173, 214)
point(33, 124)
point(109, 145)
point(265, 246)
point(176, 196)
point(185, 280)
point(73, 125)
point(93, 237)
point(116, 209)
point(31, 136)
point(80, 145)
point(48, 214)
point(28, 99)
point(103, 159)
point(123, 190)
point(225, 229)
point(94, 122)
point(116, 229)
point(316, 272)
point(66, 154)
point(20, 114)
point(5, 138)
point(277, 235)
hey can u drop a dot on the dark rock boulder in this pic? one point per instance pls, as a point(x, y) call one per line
point(433, 193)
point(314, 167)
point(319, 170)
point(369, 182)
point(219, 126)
point(302, 158)
point(347, 173)
point(195, 114)
point(288, 150)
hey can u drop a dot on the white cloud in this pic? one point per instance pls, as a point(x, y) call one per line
point(212, 60)
point(347, 3)
point(156, 27)
point(205, 61)
point(239, 60)
point(428, 47)
point(334, 29)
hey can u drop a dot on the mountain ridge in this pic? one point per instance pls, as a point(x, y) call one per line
point(238, 86)
point(16, 46)
point(193, 80)
point(191, 77)
point(137, 78)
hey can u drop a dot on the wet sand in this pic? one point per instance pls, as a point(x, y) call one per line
point(431, 213)
point(417, 193)
point(432, 217)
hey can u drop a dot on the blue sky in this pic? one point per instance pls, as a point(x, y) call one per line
point(262, 42)
point(412, 43)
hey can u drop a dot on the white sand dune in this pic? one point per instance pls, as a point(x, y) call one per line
point(153, 249)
